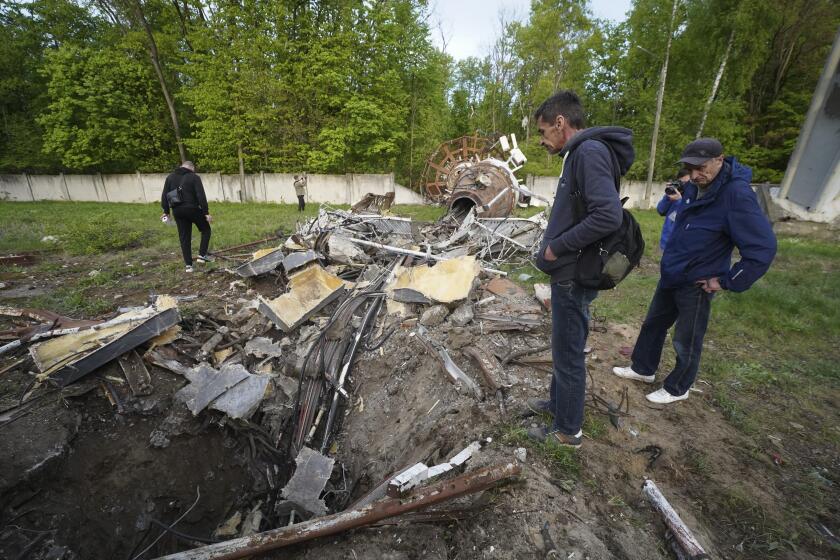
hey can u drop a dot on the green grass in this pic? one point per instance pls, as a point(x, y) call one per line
point(783, 332)
point(563, 461)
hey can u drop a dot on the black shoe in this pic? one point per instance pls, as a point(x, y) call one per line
point(539, 406)
point(543, 435)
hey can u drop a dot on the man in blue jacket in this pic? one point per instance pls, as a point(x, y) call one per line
point(593, 161)
point(670, 205)
point(719, 212)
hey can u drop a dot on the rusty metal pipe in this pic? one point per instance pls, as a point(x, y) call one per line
point(470, 483)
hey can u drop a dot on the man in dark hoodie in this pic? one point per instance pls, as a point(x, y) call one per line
point(193, 209)
point(593, 161)
point(719, 212)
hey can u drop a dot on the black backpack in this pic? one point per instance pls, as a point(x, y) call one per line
point(608, 261)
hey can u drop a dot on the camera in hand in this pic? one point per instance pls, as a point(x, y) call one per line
point(673, 187)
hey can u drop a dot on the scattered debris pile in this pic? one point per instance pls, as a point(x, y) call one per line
point(274, 370)
point(327, 376)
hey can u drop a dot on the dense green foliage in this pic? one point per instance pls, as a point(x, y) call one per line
point(345, 86)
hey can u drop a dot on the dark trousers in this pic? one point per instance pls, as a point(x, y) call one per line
point(689, 307)
point(569, 330)
point(301, 203)
point(185, 218)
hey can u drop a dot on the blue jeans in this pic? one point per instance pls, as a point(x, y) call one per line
point(687, 306)
point(569, 329)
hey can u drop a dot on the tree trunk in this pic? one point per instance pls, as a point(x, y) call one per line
point(716, 84)
point(662, 76)
point(241, 171)
point(153, 55)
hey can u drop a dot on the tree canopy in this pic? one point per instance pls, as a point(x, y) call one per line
point(354, 86)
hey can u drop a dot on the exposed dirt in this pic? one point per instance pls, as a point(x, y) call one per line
point(95, 483)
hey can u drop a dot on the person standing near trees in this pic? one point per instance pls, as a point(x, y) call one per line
point(183, 194)
point(719, 212)
point(300, 191)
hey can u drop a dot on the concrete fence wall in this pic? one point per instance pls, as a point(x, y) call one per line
point(634, 190)
point(147, 187)
point(257, 187)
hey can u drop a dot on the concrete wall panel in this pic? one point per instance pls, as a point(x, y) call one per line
point(147, 187)
point(402, 195)
point(14, 187)
point(123, 188)
point(212, 187)
point(152, 185)
point(83, 188)
point(543, 186)
point(48, 187)
point(362, 184)
point(279, 188)
point(231, 188)
point(331, 189)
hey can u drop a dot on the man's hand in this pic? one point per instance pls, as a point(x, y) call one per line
point(549, 254)
point(675, 196)
point(164, 217)
point(209, 218)
point(710, 286)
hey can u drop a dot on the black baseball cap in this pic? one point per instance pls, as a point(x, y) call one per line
point(701, 150)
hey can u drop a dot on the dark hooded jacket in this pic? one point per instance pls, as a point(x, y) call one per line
point(708, 228)
point(192, 191)
point(594, 169)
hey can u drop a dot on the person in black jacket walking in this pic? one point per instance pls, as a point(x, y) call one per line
point(593, 160)
point(191, 210)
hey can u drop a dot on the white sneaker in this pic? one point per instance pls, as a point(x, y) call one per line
point(188, 269)
point(628, 373)
point(664, 397)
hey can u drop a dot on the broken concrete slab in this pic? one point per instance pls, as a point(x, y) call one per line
point(67, 358)
point(434, 315)
point(306, 485)
point(309, 290)
point(462, 315)
point(446, 282)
